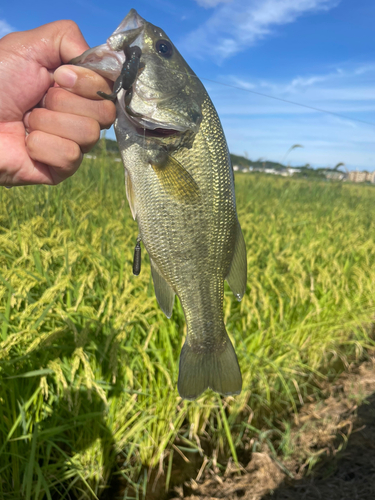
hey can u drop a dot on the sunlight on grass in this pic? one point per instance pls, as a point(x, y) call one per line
point(89, 363)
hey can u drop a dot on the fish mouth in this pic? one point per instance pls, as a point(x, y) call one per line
point(145, 126)
point(157, 133)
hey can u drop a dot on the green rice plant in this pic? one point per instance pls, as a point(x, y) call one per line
point(89, 363)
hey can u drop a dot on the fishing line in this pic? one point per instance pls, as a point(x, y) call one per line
point(291, 102)
point(320, 110)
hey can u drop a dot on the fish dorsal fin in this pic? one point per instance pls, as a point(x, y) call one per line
point(130, 194)
point(237, 275)
point(177, 181)
point(163, 291)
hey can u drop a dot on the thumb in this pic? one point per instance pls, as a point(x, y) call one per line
point(52, 44)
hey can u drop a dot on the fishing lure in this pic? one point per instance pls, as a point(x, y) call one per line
point(128, 75)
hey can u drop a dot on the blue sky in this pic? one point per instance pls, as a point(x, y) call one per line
point(315, 52)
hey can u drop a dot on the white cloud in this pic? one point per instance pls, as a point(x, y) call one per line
point(239, 24)
point(5, 28)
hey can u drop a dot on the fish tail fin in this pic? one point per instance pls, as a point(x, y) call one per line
point(212, 368)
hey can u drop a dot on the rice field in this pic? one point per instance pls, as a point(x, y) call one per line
point(88, 362)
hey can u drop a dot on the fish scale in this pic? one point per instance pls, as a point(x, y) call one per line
point(180, 186)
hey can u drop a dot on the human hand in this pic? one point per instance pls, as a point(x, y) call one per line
point(58, 107)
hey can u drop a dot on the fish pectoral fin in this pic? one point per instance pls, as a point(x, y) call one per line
point(130, 194)
point(177, 181)
point(163, 291)
point(237, 275)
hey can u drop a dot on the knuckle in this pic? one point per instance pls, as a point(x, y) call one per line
point(33, 139)
point(68, 26)
point(10, 38)
point(54, 99)
point(73, 153)
point(36, 116)
point(90, 133)
point(107, 113)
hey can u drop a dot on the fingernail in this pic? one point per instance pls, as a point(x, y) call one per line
point(42, 103)
point(26, 119)
point(65, 77)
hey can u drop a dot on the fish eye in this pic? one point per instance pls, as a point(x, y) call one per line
point(164, 48)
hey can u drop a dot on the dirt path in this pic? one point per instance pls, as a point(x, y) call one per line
point(333, 455)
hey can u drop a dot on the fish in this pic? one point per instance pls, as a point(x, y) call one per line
point(180, 187)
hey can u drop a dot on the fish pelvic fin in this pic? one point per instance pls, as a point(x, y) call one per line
point(237, 275)
point(163, 291)
point(215, 369)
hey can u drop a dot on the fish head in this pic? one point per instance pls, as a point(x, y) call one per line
point(166, 97)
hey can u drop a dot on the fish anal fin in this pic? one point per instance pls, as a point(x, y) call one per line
point(237, 275)
point(215, 369)
point(163, 291)
point(176, 180)
point(130, 194)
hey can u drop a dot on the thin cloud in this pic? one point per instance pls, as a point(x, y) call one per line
point(365, 69)
point(307, 81)
point(211, 3)
point(5, 28)
point(240, 24)
point(267, 128)
point(326, 140)
point(351, 84)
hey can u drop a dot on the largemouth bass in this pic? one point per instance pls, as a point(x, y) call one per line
point(180, 187)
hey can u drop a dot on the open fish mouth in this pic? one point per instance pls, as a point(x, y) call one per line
point(145, 126)
point(157, 132)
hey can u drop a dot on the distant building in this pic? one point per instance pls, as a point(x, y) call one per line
point(358, 176)
point(292, 171)
point(307, 171)
point(335, 175)
point(270, 171)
